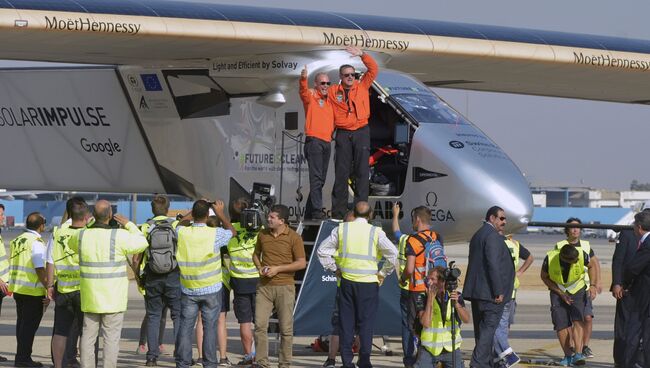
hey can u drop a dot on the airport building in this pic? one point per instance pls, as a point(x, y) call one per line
point(588, 197)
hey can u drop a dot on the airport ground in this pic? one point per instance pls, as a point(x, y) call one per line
point(532, 335)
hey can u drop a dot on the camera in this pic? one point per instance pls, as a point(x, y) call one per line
point(262, 198)
point(451, 276)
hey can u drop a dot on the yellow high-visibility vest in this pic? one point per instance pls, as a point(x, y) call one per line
point(22, 275)
point(4, 262)
point(584, 244)
point(66, 261)
point(576, 281)
point(357, 251)
point(200, 265)
point(401, 257)
point(241, 249)
point(102, 261)
point(438, 336)
point(513, 246)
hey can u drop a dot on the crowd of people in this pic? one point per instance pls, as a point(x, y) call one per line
point(188, 267)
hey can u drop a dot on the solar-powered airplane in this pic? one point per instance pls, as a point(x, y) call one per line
point(198, 99)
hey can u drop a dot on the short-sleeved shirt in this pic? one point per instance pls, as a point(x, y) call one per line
point(565, 266)
point(286, 248)
point(38, 251)
point(523, 252)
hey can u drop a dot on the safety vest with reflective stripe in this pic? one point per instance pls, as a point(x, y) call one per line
point(358, 251)
point(4, 262)
point(401, 257)
point(513, 246)
point(225, 272)
point(102, 262)
point(584, 244)
point(200, 265)
point(22, 275)
point(576, 281)
point(438, 336)
point(66, 261)
point(418, 244)
point(240, 249)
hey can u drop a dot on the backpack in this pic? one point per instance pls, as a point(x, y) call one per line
point(434, 253)
point(163, 242)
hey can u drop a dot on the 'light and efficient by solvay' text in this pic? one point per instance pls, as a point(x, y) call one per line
point(90, 25)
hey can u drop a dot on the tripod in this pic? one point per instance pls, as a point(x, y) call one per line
point(453, 330)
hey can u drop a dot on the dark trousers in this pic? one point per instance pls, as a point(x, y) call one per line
point(317, 153)
point(350, 159)
point(624, 309)
point(161, 291)
point(161, 329)
point(29, 311)
point(408, 322)
point(357, 307)
point(486, 316)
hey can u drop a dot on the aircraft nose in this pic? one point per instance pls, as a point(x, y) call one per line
point(472, 174)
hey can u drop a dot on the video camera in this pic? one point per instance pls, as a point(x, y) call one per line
point(262, 198)
point(451, 276)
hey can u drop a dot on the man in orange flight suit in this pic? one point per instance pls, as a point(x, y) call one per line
point(319, 125)
point(351, 102)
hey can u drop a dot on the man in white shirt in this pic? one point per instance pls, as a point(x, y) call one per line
point(360, 247)
point(28, 282)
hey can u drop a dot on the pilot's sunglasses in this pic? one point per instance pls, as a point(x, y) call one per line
point(502, 218)
point(349, 75)
point(325, 83)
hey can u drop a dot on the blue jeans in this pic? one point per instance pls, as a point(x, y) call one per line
point(501, 343)
point(426, 360)
point(161, 291)
point(210, 306)
point(408, 336)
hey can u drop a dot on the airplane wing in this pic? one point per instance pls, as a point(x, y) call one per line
point(441, 54)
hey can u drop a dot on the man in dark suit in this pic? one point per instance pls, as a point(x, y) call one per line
point(636, 279)
point(626, 247)
point(489, 283)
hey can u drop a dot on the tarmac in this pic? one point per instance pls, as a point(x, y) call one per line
point(532, 335)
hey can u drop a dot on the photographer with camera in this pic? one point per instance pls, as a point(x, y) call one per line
point(441, 320)
point(243, 276)
point(423, 251)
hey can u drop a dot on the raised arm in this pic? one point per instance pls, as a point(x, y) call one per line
point(134, 241)
point(369, 62)
point(305, 93)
